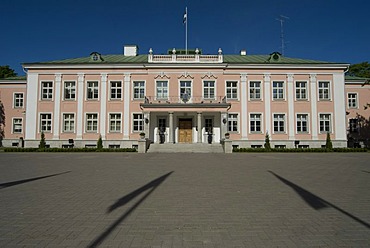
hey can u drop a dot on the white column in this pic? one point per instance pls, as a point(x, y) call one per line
point(199, 127)
point(244, 108)
point(31, 106)
point(58, 82)
point(267, 100)
point(80, 102)
point(313, 100)
point(170, 135)
point(339, 102)
point(103, 105)
point(126, 106)
point(291, 115)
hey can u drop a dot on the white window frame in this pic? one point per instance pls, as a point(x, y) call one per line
point(118, 90)
point(307, 123)
point(330, 123)
point(206, 89)
point(321, 90)
point(349, 102)
point(140, 87)
point(71, 88)
point(278, 89)
point(49, 90)
point(138, 124)
point(232, 89)
point(94, 89)
point(161, 95)
point(229, 119)
point(14, 124)
point(115, 120)
point(279, 121)
point(186, 89)
point(250, 88)
point(49, 123)
point(298, 95)
point(18, 102)
point(92, 120)
point(69, 120)
point(255, 120)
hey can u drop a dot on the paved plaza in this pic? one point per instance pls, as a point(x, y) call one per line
point(184, 200)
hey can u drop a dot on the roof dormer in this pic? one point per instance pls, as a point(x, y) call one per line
point(95, 57)
point(274, 57)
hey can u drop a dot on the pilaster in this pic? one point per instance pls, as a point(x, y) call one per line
point(103, 105)
point(267, 100)
point(290, 98)
point(244, 105)
point(57, 96)
point(80, 102)
point(313, 91)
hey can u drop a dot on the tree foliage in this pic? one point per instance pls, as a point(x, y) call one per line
point(42, 141)
point(360, 70)
point(267, 142)
point(6, 71)
point(2, 123)
point(328, 144)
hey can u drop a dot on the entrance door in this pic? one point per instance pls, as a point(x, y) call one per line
point(185, 131)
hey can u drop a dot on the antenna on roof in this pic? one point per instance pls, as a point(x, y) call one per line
point(282, 19)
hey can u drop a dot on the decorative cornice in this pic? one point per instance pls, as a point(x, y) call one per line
point(185, 75)
point(162, 75)
point(209, 75)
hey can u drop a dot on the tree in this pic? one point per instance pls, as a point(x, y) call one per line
point(329, 144)
point(2, 123)
point(359, 70)
point(42, 141)
point(6, 71)
point(100, 143)
point(267, 141)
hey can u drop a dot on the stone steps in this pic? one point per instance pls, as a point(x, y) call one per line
point(185, 148)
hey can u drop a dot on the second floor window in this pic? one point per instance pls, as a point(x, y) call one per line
point(301, 90)
point(45, 123)
point(18, 100)
point(139, 89)
point(255, 90)
point(115, 90)
point(69, 90)
point(185, 90)
point(47, 90)
point(232, 90)
point(324, 91)
point(209, 89)
point(278, 90)
point(92, 90)
point(162, 89)
point(352, 100)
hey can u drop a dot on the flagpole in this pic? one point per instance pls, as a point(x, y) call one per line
point(186, 30)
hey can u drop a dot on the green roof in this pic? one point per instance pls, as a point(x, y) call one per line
point(353, 78)
point(107, 59)
point(265, 59)
point(15, 78)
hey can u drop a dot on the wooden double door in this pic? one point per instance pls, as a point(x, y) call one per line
point(185, 130)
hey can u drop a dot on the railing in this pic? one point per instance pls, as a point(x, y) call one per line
point(190, 99)
point(185, 58)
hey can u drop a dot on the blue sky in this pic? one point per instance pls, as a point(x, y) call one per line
point(43, 30)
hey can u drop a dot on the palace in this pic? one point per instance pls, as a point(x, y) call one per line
point(183, 97)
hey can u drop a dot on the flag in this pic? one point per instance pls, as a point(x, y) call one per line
point(184, 20)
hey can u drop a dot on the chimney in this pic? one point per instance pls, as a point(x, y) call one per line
point(243, 52)
point(130, 50)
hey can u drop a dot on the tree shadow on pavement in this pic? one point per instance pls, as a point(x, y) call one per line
point(126, 199)
point(315, 201)
point(14, 183)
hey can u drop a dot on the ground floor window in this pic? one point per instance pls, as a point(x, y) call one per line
point(138, 122)
point(302, 123)
point(325, 123)
point(233, 123)
point(279, 123)
point(17, 125)
point(255, 123)
point(45, 123)
point(115, 122)
point(68, 122)
point(91, 122)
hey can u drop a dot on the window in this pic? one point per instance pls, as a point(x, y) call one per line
point(185, 90)
point(17, 125)
point(92, 90)
point(162, 89)
point(115, 123)
point(18, 100)
point(68, 123)
point(324, 91)
point(301, 90)
point(70, 90)
point(352, 100)
point(139, 89)
point(233, 123)
point(209, 89)
point(353, 125)
point(115, 90)
point(232, 90)
point(325, 123)
point(278, 90)
point(91, 122)
point(255, 123)
point(302, 123)
point(47, 90)
point(138, 122)
point(45, 123)
point(255, 90)
point(279, 123)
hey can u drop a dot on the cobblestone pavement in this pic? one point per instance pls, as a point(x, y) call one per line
point(184, 200)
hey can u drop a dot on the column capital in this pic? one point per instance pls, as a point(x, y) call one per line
point(267, 76)
point(243, 76)
point(313, 76)
point(58, 77)
point(290, 77)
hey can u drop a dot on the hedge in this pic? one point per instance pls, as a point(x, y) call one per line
point(16, 149)
point(300, 150)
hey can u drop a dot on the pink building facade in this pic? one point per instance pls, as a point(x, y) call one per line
point(182, 98)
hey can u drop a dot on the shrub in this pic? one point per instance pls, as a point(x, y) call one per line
point(267, 141)
point(328, 144)
point(99, 144)
point(42, 141)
